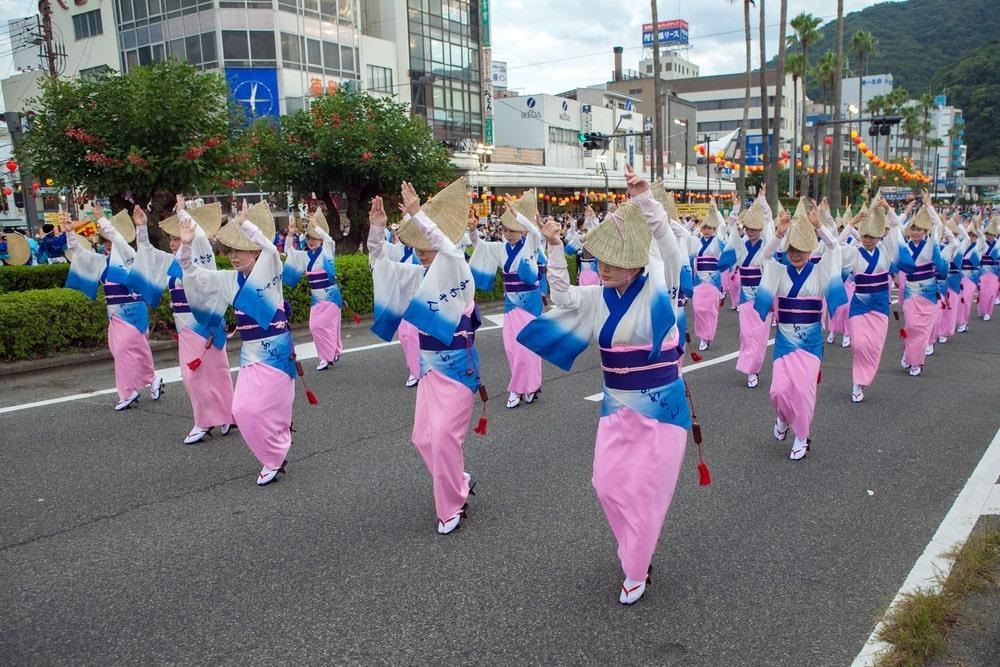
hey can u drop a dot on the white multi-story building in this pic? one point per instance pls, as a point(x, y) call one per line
point(948, 125)
point(673, 65)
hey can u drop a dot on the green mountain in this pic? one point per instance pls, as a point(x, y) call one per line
point(973, 85)
point(936, 46)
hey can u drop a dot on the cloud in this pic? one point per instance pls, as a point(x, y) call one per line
point(557, 45)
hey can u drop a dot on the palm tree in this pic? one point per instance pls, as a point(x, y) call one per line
point(874, 107)
point(795, 65)
point(806, 27)
point(927, 104)
point(833, 179)
point(910, 126)
point(741, 179)
point(825, 72)
point(935, 144)
point(895, 100)
point(765, 115)
point(864, 45)
point(771, 176)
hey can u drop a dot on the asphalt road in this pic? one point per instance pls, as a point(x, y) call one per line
point(121, 545)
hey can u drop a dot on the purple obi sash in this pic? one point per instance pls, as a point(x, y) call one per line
point(465, 337)
point(116, 294)
point(922, 272)
point(871, 283)
point(632, 370)
point(706, 264)
point(319, 279)
point(988, 261)
point(750, 276)
point(799, 311)
point(511, 283)
point(178, 300)
point(250, 330)
point(967, 265)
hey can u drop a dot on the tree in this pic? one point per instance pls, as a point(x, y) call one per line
point(911, 126)
point(825, 72)
point(806, 27)
point(772, 170)
point(795, 65)
point(350, 144)
point(765, 115)
point(927, 104)
point(741, 179)
point(138, 138)
point(863, 45)
point(834, 177)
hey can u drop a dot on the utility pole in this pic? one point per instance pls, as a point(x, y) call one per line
point(657, 116)
point(45, 9)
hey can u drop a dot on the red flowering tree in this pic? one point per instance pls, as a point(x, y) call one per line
point(350, 145)
point(137, 138)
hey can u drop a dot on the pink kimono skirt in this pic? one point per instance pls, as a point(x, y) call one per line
point(919, 314)
point(440, 423)
point(868, 334)
point(525, 365)
point(731, 286)
point(262, 407)
point(409, 340)
point(210, 385)
point(968, 295)
point(636, 463)
point(793, 390)
point(133, 358)
point(949, 310)
point(988, 288)
point(841, 321)
point(753, 339)
point(324, 325)
point(706, 310)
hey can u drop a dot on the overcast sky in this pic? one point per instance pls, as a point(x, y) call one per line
point(551, 46)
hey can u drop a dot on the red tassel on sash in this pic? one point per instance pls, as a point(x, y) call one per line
point(311, 397)
point(194, 364)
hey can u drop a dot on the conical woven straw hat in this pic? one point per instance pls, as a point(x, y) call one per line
point(18, 252)
point(509, 221)
point(922, 220)
point(994, 227)
point(318, 220)
point(801, 233)
point(972, 229)
point(877, 215)
point(978, 218)
point(208, 217)
point(874, 223)
point(527, 204)
point(753, 217)
point(954, 222)
point(231, 236)
point(622, 240)
point(122, 221)
point(666, 200)
point(449, 211)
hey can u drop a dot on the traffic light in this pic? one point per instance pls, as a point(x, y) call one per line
point(592, 140)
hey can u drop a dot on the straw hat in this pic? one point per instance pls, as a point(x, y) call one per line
point(972, 230)
point(922, 220)
point(954, 222)
point(877, 215)
point(666, 200)
point(874, 223)
point(753, 217)
point(622, 240)
point(231, 236)
point(449, 211)
point(993, 229)
point(208, 217)
point(801, 233)
point(317, 221)
point(18, 252)
point(527, 204)
point(122, 221)
point(509, 221)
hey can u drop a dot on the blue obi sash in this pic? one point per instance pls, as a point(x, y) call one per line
point(871, 283)
point(750, 276)
point(799, 311)
point(632, 370)
point(458, 360)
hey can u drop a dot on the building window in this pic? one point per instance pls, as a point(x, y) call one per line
point(246, 48)
point(93, 72)
point(380, 79)
point(87, 25)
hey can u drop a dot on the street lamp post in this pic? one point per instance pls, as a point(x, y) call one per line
point(684, 123)
point(601, 163)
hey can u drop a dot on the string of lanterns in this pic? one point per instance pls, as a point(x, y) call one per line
point(894, 167)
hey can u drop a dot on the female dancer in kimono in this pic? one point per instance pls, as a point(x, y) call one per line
point(705, 249)
point(265, 385)
point(989, 278)
point(872, 261)
point(950, 289)
point(437, 297)
point(839, 321)
point(967, 260)
point(747, 256)
point(201, 350)
point(128, 318)
point(922, 263)
point(409, 341)
point(517, 257)
point(797, 287)
point(588, 263)
point(317, 262)
point(642, 430)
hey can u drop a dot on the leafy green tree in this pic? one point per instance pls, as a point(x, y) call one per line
point(351, 145)
point(141, 137)
point(807, 33)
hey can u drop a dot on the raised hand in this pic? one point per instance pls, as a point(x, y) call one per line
point(187, 228)
point(242, 217)
point(139, 216)
point(783, 223)
point(411, 200)
point(66, 223)
point(376, 214)
point(550, 230)
point(635, 183)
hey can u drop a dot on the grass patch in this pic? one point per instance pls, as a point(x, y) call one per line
point(921, 623)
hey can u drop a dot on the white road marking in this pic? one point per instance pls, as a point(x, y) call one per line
point(688, 368)
point(303, 352)
point(496, 319)
point(979, 496)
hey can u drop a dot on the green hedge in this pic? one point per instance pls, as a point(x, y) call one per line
point(38, 323)
point(24, 278)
